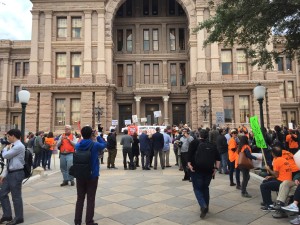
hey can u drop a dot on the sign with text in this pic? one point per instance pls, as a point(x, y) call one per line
point(114, 122)
point(259, 138)
point(127, 122)
point(157, 114)
point(135, 119)
point(220, 118)
point(143, 120)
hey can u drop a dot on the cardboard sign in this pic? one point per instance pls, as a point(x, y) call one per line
point(135, 119)
point(259, 138)
point(127, 122)
point(220, 118)
point(157, 114)
point(114, 122)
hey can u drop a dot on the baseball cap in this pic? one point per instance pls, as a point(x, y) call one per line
point(233, 131)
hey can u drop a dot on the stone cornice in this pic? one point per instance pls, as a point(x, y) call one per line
point(233, 84)
point(68, 87)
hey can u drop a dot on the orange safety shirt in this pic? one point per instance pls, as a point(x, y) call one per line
point(290, 158)
point(232, 150)
point(282, 166)
point(292, 143)
point(66, 146)
point(51, 142)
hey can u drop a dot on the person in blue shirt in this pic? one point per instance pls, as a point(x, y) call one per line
point(87, 187)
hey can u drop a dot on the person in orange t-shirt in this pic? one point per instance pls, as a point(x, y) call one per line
point(281, 172)
point(48, 153)
point(292, 141)
point(233, 155)
point(290, 158)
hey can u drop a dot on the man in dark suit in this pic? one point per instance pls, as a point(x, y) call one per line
point(158, 144)
point(145, 149)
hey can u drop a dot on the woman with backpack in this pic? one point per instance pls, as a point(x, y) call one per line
point(244, 147)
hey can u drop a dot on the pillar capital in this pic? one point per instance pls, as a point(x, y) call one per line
point(166, 98)
point(137, 98)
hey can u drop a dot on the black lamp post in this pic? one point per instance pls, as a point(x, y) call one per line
point(259, 93)
point(24, 97)
point(99, 111)
point(205, 110)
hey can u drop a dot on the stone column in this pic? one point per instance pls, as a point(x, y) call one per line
point(4, 90)
point(215, 60)
point(165, 36)
point(217, 104)
point(46, 76)
point(273, 105)
point(166, 110)
point(32, 112)
point(33, 64)
point(108, 61)
point(165, 72)
point(137, 38)
point(138, 106)
point(138, 74)
point(198, 52)
point(87, 59)
point(87, 108)
point(45, 114)
point(101, 67)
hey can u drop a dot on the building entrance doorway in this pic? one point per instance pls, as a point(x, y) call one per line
point(150, 108)
point(179, 116)
point(125, 113)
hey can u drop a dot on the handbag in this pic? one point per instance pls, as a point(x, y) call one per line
point(244, 162)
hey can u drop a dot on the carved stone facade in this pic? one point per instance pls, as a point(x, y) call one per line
point(135, 58)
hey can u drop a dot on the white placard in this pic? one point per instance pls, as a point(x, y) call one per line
point(291, 126)
point(114, 122)
point(135, 119)
point(143, 120)
point(157, 114)
point(127, 122)
point(257, 163)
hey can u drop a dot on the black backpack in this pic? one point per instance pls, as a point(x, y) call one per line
point(28, 164)
point(205, 156)
point(82, 168)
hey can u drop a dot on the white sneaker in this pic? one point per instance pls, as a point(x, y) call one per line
point(291, 207)
point(295, 221)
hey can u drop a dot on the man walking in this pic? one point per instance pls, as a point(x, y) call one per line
point(186, 139)
point(112, 149)
point(127, 141)
point(87, 187)
point(11, 179)
point(158, 144)
point(203, 161)
point(66, 144)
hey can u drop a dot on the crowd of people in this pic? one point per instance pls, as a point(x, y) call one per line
point(200, 154)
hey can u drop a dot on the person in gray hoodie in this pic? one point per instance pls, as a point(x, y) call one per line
point(126, 142)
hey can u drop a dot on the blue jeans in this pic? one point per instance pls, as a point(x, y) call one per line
point(224, 162)
point(237, 173)
point(201, 183)
point(66, 161)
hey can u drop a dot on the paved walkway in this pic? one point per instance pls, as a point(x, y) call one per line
point(143, 198)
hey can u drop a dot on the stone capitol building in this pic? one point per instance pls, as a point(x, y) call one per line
point(134, 57)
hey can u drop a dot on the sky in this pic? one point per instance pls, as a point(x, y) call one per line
point(15, 19)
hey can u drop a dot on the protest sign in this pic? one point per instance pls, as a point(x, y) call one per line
point(259, 138)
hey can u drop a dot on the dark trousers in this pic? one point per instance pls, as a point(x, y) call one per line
point(266, 188)
point(145, 159)
point(127, 151)
point(246, 178)
point(184, 160)
point(88, 188)
point(12, 183)
point(201, 182)
point(37, 159)
point(151, 155)
point(237, 173)
point(112, 153)
point(176, 153)
point(46, 162)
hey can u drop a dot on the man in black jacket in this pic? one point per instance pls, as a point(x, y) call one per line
point(112, 149)
point(222, 147)
point(158, 144)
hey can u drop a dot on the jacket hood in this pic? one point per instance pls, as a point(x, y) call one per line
point(84, 144)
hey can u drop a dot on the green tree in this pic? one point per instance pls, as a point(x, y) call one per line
point(253, 24)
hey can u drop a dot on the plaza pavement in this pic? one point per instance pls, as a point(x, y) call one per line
point(143, 198)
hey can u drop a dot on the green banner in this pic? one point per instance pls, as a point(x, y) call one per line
point(259, 138)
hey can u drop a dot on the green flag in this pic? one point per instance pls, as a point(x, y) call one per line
point(259, 138)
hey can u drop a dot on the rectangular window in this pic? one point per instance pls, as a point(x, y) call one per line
point(76, 27)
point(226, 58)
point(282, 91)
point(129, 40)
point(146, 40)
point(293, 118)
point(180, 10)
point(120, 11)
point(290, 90)
point(241, 62)
point(288, 64)
point(244, 109)
point(16, 122)
point(129, 75)
point(156, 73)
point(76, 64)
point(129, 8)
point(120, 40)
point(173, 74)
point(284, 118)
point(60, 112)
point(75, 111)
point(61, 65)
point(146, 7)
point(182, 74)
point(16, 94)
point(181, 39)
point(154, 7)
point(147, 73)
point(280, 63)
point(25, 68)
point(229, 109)
point(155, 39)
point(171, 7)
point(17, 69)
point(62, 27)
point(120, 75)
point(172, 39)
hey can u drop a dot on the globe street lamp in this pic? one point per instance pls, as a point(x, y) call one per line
point(24, 97)
point(259, 93)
